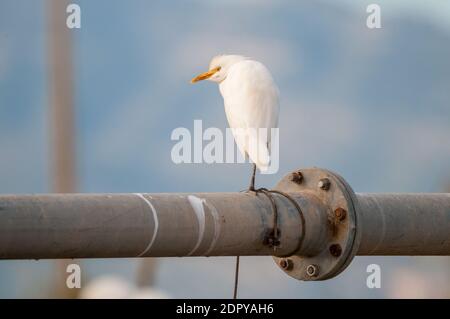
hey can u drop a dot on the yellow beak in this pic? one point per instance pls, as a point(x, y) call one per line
point(205, 75)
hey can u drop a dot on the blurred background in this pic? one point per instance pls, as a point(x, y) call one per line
point(92, 110)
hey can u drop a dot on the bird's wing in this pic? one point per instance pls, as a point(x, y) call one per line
point(251, 104)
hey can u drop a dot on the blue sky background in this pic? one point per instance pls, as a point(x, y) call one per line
point(373, 105)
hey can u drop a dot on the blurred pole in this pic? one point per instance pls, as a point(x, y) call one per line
point(145, 273)
point(62, 120)
point(448, 259)
point(63, 131)
point(61, 86)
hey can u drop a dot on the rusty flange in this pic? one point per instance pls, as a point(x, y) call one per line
point(343, 237)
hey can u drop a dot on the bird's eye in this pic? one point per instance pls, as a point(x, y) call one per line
point(218, 68)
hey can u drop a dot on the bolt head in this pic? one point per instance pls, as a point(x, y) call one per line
point(297, 177)
point(324, 184)
point(335, 250)
point(340, 213)
point(312, 270)
point(286, 264)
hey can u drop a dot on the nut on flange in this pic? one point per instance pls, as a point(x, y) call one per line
point(297, 177)
point(286, 264)
point(341, 238)
point(324, 184)
point(312, 270)
point(335, 250)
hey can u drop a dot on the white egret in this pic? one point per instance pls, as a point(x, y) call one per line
point(251, 104)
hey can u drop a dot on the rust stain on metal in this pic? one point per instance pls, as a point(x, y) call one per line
point(340, 213)
point(271, 239)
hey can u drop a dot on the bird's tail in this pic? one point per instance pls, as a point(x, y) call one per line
point(258, 149)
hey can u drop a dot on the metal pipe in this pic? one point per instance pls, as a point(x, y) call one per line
point(153, 225)
point(217, 224)
point(404, 224)
point(333, 225)
point(123, 225)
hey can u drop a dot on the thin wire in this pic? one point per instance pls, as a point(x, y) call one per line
point(268, 194)
point(275, 240)
point(236, 278)
point(300, 212)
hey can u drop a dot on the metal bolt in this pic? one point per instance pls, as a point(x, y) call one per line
point(312, 270)
point(340, 213)
point(335, 250)
point(297, 177)
point(286, 264)
point(324, 184)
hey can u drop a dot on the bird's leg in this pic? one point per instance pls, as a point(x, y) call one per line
point(251, 188)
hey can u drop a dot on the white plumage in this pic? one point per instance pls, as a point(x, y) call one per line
point(251, 103)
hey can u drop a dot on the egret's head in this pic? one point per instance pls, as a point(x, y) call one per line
point(218, 68)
